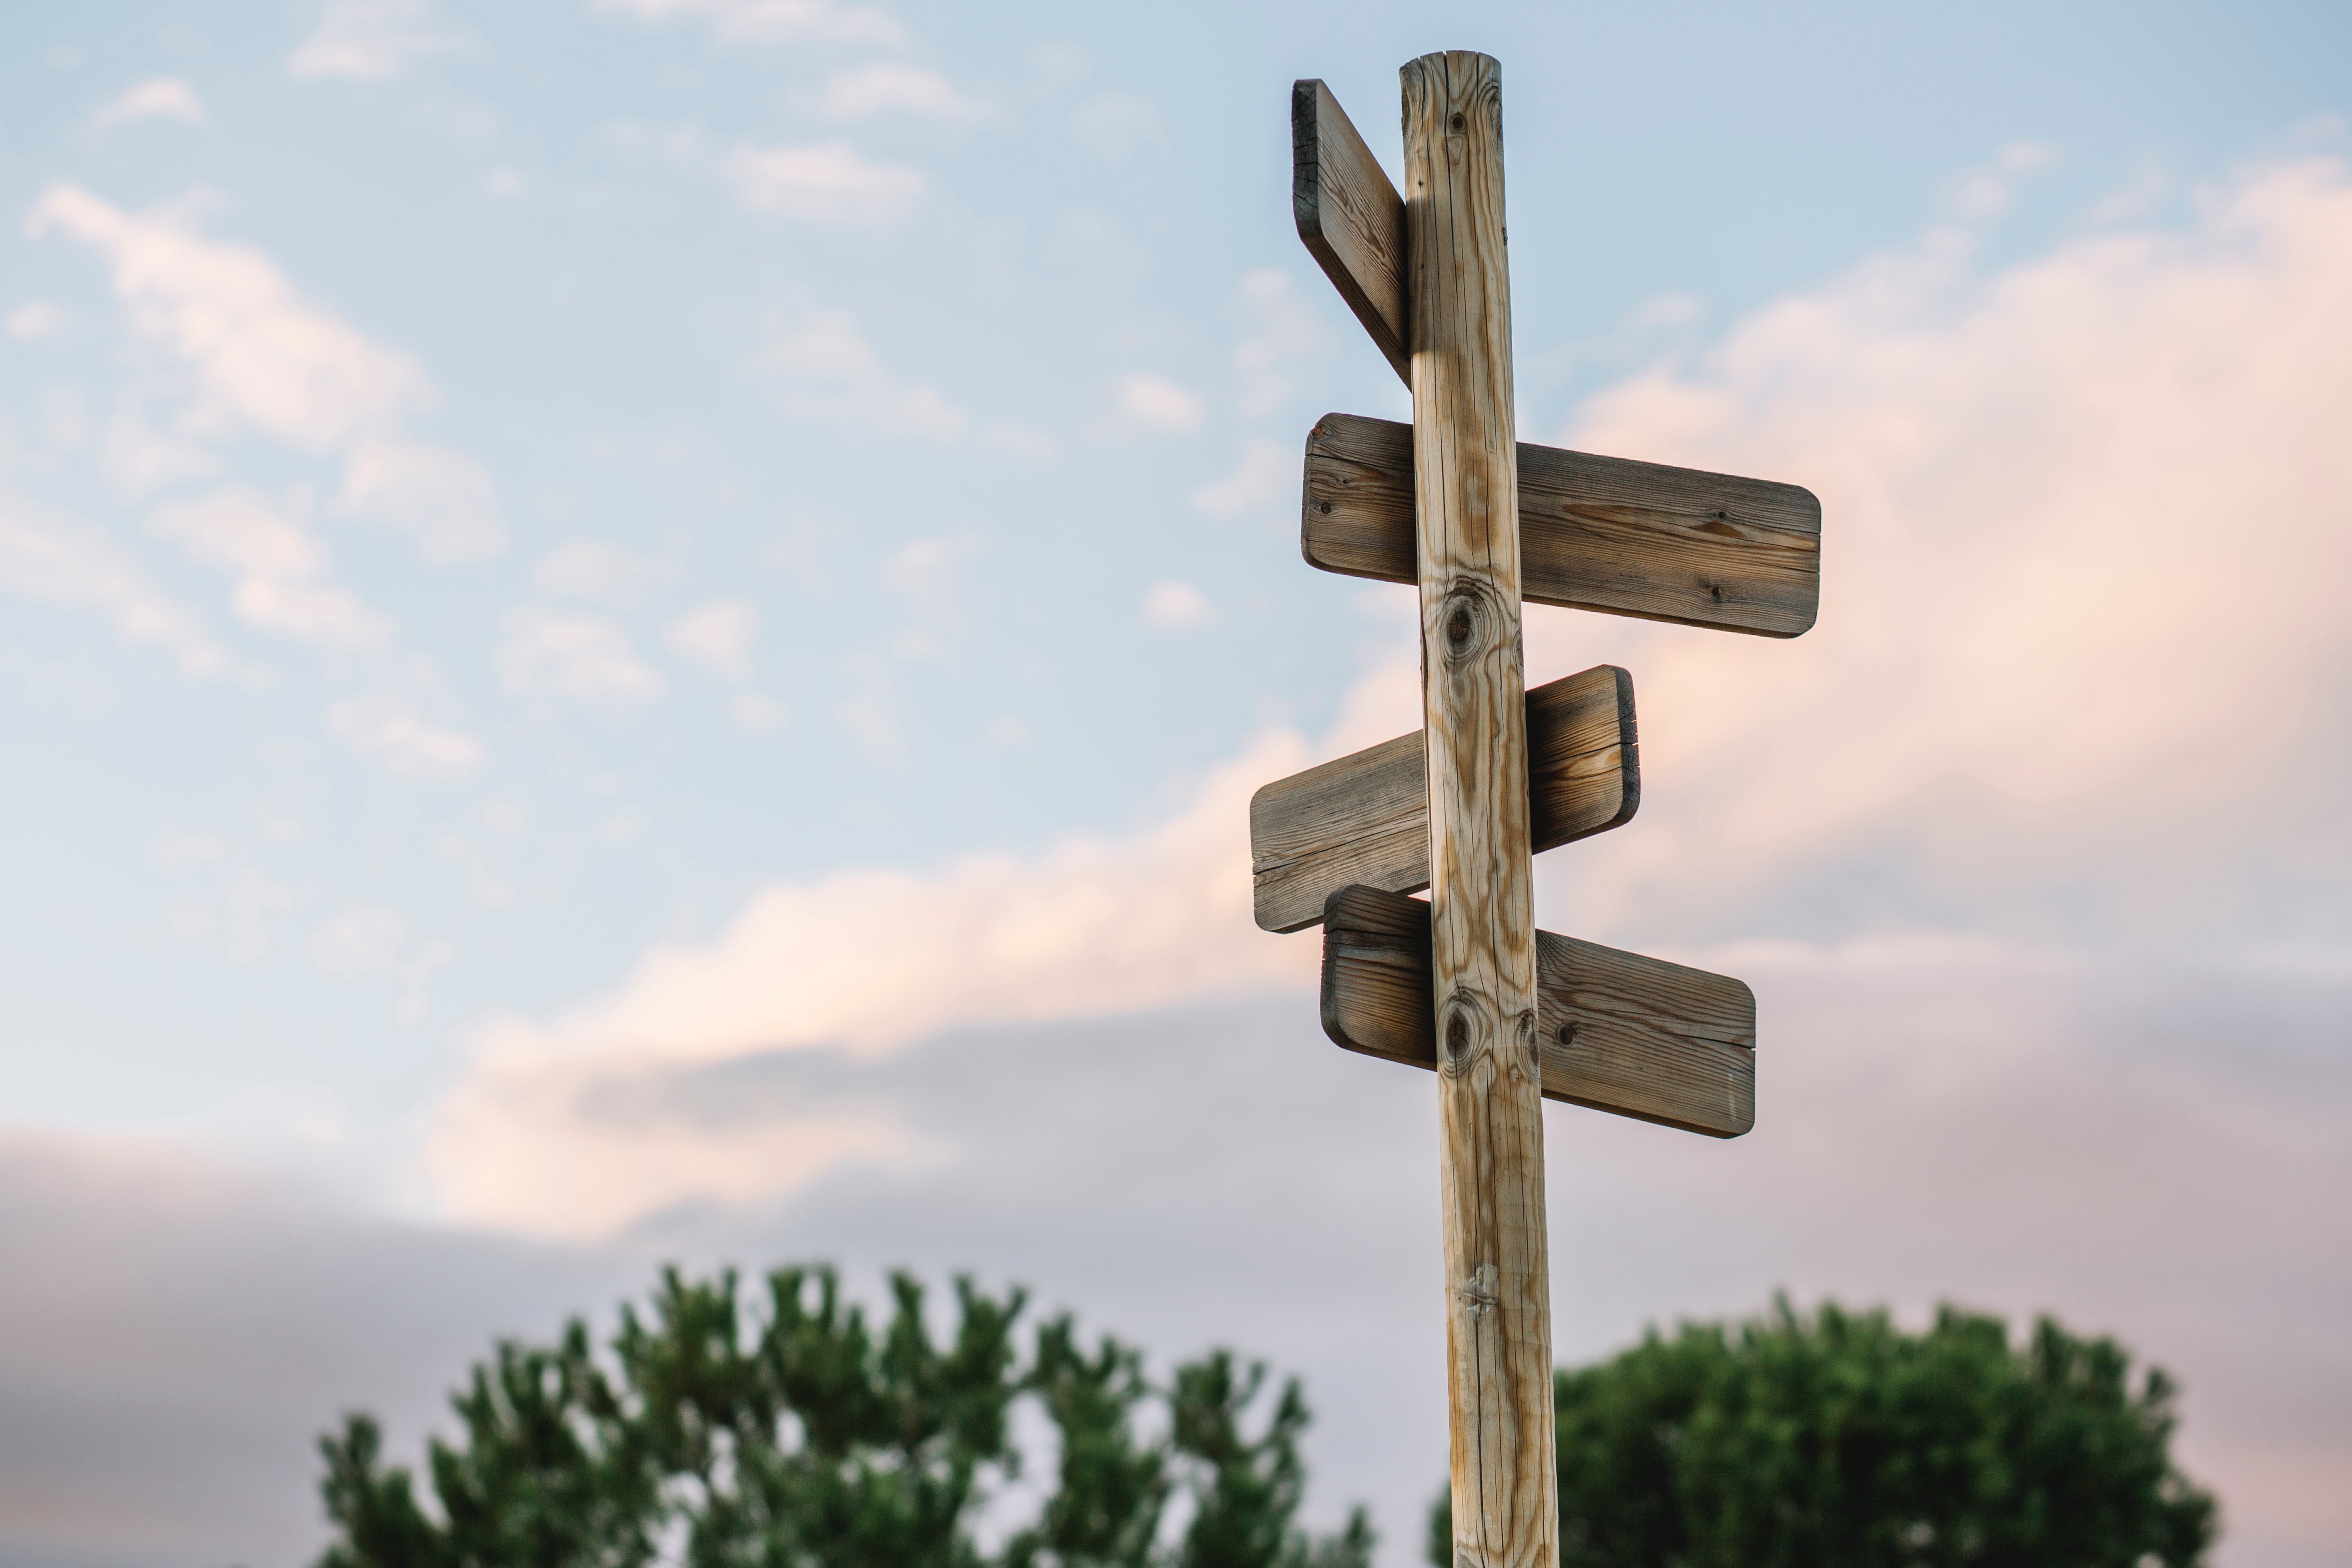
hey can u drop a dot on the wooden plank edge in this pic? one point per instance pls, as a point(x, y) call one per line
point(1306, 211)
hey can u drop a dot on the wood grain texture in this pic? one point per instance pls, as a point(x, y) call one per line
point(1350, 218)
point(1619, 1032)
point(1482, 925)
point(1595, 534)
point(1364, 817)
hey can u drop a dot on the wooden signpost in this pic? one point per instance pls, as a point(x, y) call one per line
point(1464, 983)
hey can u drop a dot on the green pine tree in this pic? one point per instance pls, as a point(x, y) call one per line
point(1839, 1441)
point(800, 1435)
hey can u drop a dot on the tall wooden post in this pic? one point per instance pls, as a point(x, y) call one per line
point(1483, 951)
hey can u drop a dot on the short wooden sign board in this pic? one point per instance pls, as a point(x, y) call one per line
point(1350, 218)
point(1617, 1032)
point(1595, 534)
point(1364, 818)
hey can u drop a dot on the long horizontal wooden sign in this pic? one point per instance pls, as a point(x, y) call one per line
point(1350, 218)
point(1617, 1032)
point(1365, 818)
point(1595, 534)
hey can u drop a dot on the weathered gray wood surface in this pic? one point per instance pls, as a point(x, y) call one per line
point(1364, 817)
point(1350, 218)
point(1595, 534)
point(1618, 1032)
point(1482, 918)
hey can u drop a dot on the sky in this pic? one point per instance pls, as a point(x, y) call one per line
point(640, 630)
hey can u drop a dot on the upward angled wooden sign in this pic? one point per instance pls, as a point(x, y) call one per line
point(1464, 983)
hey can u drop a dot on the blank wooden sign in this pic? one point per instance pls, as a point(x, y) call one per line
point(1595, 534)
point(1617, 1032)
point(1364, 818)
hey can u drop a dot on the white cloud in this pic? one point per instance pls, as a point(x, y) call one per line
point(829, 182)
point(281, 570)
point(388, 728)
point(1266, 482)
point(895, 88)
point(756, 713)
point(770, 21)
point(2080, 681)
point(361, 939)
point(159, 97)
point(263, 355)
point(253, 897)
point(717, 637)
point(580, 658)
point(442, 498)
point(374, 40)
point(1115, 126)
point(1284, 335)
point(2080, 559)
point(590, 569)
point(1176, 606)
point(863, 960)
point(139, 459)
point(834, 371)
point(34, 319)
point(1159, 403)
point(44, 554)
point(266, 358)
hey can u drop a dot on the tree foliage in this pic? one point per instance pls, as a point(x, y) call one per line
point(800, 1435)
point(1839, 1441)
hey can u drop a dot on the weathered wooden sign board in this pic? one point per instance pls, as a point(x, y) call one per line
point(1507, 1015)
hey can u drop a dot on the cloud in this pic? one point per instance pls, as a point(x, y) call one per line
point(44, 554)
point(388, 728)
point(717, 637)
point(1159, 403)
point(2081, 565)
point(266, 358)
point(1176, 606)
point(590, 569)
point(359, 939)
point(440, 497)
point(282, 584)
point(829, 182)
point(1117, 126)
point(159, 97)
point(1282, 336)
point(863, 960)
point(374, 40)
point(36, 318)
point(1264, 483)
point(2077, 605)
point(895, 88)
point(833, 371)
point(577, 658)
point(770, 21)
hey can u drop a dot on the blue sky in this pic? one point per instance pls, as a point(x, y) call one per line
point(603, 597)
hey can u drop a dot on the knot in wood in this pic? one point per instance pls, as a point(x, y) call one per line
point(1467, 622)
point(1460, 1027)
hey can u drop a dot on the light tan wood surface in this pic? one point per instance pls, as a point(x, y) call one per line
point(1351, 216)
point(1364, 817)
point(1482, 942)
point(1595, 534)
point(1619, 1032)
